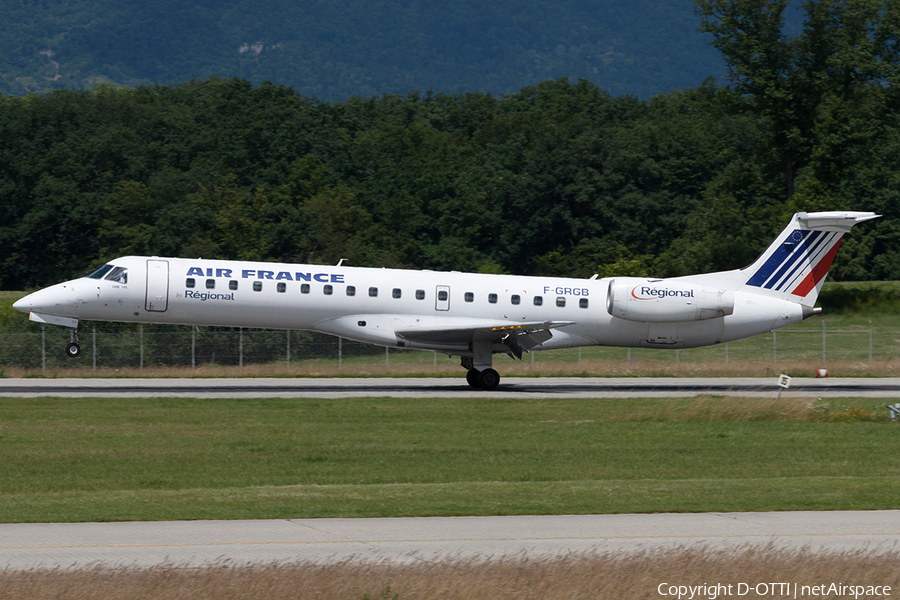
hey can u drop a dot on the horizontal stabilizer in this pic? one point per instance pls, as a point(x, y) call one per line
point(834, 220)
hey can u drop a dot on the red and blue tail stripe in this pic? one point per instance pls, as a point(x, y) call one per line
point(797, 264)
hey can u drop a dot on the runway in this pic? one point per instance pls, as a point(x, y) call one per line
point(403, 387)
point(198, 543)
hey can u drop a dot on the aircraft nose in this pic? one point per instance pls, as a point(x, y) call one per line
point(42, 300)
point(23, 304)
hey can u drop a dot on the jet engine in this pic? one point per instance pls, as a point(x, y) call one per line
point(666, 301)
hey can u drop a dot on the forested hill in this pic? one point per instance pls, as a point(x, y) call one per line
point(561, 178)
point(338, 48)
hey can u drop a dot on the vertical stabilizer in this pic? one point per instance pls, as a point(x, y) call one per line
point(795, 264)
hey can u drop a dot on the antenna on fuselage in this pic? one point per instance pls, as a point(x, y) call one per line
point(342, 260)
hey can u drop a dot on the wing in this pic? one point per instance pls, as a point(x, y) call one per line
point(454, 335)
point(517, 337)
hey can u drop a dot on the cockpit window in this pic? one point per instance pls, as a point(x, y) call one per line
point(119, 275)
point(99, 273)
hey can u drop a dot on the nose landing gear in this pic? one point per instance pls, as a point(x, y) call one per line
point(72, 348)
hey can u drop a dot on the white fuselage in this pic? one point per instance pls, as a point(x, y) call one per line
point(372, 305)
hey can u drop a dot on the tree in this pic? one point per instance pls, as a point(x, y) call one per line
point(845, 47)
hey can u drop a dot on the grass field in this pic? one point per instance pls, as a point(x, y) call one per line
point(153, 459)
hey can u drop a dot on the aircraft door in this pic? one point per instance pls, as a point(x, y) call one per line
point(442, 298)
point(157, 299)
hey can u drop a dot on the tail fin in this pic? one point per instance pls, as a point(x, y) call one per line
point(795, 264)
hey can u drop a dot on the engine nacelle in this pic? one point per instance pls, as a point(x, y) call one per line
point(666, 301)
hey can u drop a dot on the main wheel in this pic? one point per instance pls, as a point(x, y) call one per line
point(472, 378)
point(73, 350)
point(489, 379)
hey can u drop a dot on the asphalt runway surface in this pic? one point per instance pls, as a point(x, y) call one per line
point(412, 387)
point(199, 543)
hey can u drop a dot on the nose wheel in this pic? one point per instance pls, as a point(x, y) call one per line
point(72, 348)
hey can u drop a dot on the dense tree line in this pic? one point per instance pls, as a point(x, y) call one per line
point(561, 178)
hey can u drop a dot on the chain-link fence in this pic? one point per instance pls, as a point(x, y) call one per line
point(107, 345)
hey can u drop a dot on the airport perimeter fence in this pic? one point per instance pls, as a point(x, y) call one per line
point(113, 346)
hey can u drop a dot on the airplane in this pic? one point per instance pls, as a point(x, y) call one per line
point(470, 315)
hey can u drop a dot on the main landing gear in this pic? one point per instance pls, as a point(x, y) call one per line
point(72, 348)
point(479, 373)
point(487, 379)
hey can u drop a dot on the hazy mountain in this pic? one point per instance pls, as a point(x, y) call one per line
point(337, 48)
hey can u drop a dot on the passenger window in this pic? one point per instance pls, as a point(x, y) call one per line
point(515, 299)
point(304, 288)
point(583, 303)
point(328, 290)
point(560, 301)
point(257, 286)
point(396, 293)
point(538, 300)
point(281, 287)
point(373, 292)
point(210, 284)
point(420, 294)
point(351, 290)
point(119, 275)
point(492, 298)
point(189, 283)
point(233, 284)
point(470, 297)
point(443, 295)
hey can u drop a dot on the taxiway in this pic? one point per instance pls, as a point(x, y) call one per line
point(198, 543)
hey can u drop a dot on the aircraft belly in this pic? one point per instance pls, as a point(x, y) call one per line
point(694, 334)
point(688, 334)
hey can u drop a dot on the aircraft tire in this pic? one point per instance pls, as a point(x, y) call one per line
point(489, 379)
point(73, 350)
point(472, 378)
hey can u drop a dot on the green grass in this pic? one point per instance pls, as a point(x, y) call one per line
point(149, 459)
